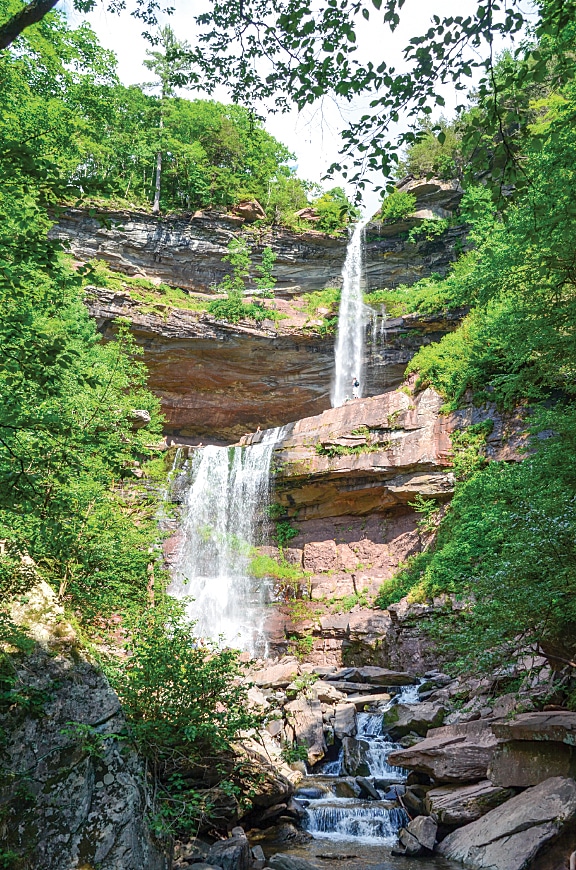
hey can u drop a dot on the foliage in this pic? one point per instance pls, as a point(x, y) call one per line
point(428, 230)
point(301, 647)
point(292, 752)
point(284, 532)
point(397, 205)
point(186, 703)
point(427, 156)
point(262, 565)
point(508, 541)
point(233, 308)
point(265, 280)
point(335, 210)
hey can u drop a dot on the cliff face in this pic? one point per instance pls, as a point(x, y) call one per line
point(73, 791)
point(186, 251)
point(347, 479)
point(217, 381)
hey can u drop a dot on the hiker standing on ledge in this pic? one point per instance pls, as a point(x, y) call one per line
point(355, 388)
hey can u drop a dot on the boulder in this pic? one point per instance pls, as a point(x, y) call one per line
point(536, 830)
point(250, 210)
point(454, 806)
point(535, 746)
point(367, 790)
point(362, 701)
point(402, 719)
point(139, 417)
point(454, 753)
point(328, 694)
point(383, 677)
point(419, 836)
point(277, 676)
point(305, 718)
point(354, 761)
point(231, 854)
point(345, 721)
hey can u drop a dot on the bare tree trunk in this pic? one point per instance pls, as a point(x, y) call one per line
point(30, 14)
point(156, 206)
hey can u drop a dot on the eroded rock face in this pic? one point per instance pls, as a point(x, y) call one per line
point(217, 381)
point(453, 753)
point(86, 808)
point(534, 831)
point(454, 806)
point(364, 457)
point(187, 251)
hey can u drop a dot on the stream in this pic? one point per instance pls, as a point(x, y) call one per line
point(349, 829)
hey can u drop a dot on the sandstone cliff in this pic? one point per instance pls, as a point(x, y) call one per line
point(217, 380)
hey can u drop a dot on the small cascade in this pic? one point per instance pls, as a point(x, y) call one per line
point(353, 818)
point(352, 318)
point(224, 507)
point(349, 819)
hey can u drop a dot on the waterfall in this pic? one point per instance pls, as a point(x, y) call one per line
point(342, 818)
point(349, 349)
point(223, 510)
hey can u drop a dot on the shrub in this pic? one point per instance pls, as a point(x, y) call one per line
point(397, 206)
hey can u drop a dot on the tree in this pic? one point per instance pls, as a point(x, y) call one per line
point(172, 69)
point(311, 52)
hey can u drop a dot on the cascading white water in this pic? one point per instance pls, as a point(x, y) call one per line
point(367, 821)
point(349, 349)
point(345, 818)
point(224, 506)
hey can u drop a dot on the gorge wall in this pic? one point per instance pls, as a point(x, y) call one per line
point(187, 250)
point(217, 381)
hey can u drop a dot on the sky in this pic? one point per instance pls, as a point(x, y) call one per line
point(313, 135)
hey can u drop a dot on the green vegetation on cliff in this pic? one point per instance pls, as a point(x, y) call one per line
point(506, 543)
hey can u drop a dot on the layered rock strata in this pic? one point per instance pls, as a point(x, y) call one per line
point(217, 380)
point(187, 250)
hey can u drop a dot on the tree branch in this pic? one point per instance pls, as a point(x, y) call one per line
point(30, 14)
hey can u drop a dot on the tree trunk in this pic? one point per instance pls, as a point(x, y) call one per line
point(156, 206)
point(30, 14)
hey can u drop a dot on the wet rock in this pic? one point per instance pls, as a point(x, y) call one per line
point(345, 720)
point(453, 753)
point(536, 830)
point(305, 717)
point(354, 762)
point(231, 854)
point(363, 702)
point(455, 806)
point(367, 789)
point(289, 833)
point(418, 837)
point(346, 788)
point(404, 718)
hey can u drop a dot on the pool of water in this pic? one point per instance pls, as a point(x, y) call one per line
point(342, 854)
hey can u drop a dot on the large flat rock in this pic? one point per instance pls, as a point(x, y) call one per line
point(453, 753)
point(534, 831)
point(454, 806)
